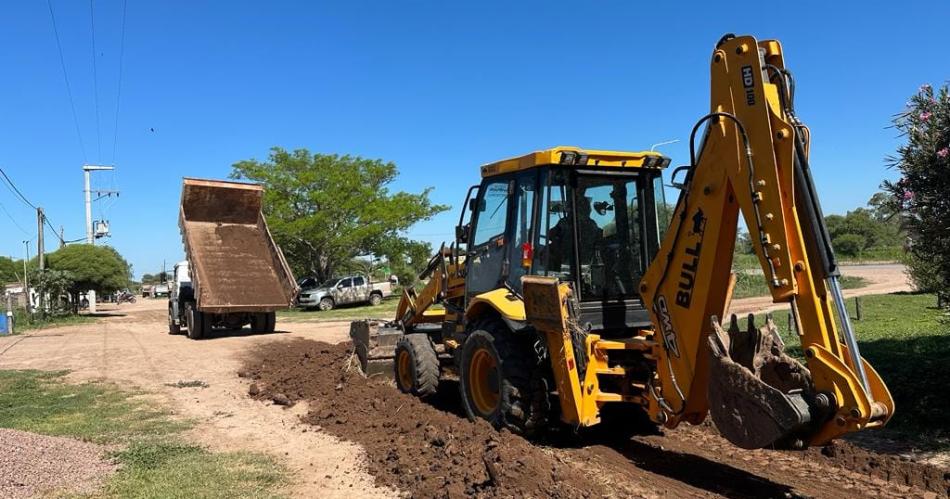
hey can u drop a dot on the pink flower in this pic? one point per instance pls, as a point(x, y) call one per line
point(908, 195)
point(924, 116)
point(943, 153)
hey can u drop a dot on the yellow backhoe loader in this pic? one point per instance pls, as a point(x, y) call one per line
point(567, 298)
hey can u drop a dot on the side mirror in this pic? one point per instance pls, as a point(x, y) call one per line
point(472, 204)
point(461, 233)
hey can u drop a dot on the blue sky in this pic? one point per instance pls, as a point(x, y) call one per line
point(437, 87)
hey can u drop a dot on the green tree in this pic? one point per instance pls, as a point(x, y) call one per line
point(849, 244)
point(99, 268)
point(8, 270)
point(324, 209)
point(407, 259)
point(923, 191)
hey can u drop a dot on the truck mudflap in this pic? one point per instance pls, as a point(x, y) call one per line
point(758, 395)
point(374, 343)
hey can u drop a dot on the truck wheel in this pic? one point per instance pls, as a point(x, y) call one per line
point(270, 324)
point(375, 299)
point(195, 322)
point(326, 304)
point(173, 327)
point(499, 381)
point(417, 365)
point(264, 322)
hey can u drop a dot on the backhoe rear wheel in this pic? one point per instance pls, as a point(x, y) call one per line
point(500, 380)
point(417, 365)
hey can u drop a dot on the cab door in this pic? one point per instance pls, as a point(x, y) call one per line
point(487, 260)
point(344, 293)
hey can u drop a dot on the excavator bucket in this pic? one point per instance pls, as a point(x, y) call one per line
point(757, 394)
point(374, 343)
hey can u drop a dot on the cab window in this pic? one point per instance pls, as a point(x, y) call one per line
point(358, 281)
point(346, 283)
point(492, 212)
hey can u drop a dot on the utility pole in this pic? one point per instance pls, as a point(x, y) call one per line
point(26, 279)
point(40, 250)
point(90, 237)
point(62, 237)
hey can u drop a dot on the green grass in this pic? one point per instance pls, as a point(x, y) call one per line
point(907, 340)
point(159, 469)
point(748, 285)
point(24, 322)
point(154, 460)
point(385, 310)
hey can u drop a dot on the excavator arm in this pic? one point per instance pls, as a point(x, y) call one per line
point(753, 159)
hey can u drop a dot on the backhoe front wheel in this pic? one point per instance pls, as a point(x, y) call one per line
point(500, 381)
point(417, 365)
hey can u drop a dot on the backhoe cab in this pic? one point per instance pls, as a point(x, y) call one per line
point(572, 294)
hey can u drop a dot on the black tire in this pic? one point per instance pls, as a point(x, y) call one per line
point(196, 322)
point(264, 322)
point(173, 327)
point(375, 299)
point(523, 404)
point(416, 365)
point(326, 303)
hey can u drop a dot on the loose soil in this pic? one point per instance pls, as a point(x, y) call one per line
point(429, 450)
point(33, 465)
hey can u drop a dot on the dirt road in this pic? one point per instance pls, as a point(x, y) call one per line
point(130, 347)
point(880, 279)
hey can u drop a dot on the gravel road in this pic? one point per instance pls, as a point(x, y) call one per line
point(33, 465)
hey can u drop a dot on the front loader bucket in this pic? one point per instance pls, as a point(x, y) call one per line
point(758, 395)
point(374, 343)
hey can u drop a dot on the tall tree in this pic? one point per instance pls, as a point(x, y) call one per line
point(325, 209)
point(923, 191)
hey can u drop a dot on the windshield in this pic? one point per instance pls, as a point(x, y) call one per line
point(602, 214)
point(330, 283)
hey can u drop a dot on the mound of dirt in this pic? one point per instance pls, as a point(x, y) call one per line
point(427, 448)
point(410, 445)
point(889, 468)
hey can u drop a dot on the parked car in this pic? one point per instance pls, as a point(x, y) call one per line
point(342, 291)
point(160, 290)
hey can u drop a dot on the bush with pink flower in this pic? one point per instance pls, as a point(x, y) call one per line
point(923, 191)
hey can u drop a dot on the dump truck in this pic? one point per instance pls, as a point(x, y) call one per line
point(234, 273)
point(567, 299)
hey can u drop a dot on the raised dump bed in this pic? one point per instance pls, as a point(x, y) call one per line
point(238, 274)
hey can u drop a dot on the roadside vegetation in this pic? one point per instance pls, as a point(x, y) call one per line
point(24, 322)
point(920, 194)
point(154, 460)
point(908, 343)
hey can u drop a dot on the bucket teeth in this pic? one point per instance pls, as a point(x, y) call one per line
point(757, 394)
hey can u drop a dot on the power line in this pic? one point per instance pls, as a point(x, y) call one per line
point(95, 77)
point(14, 189)
point(118, 97)
point(69, 92)
point(4, 209)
